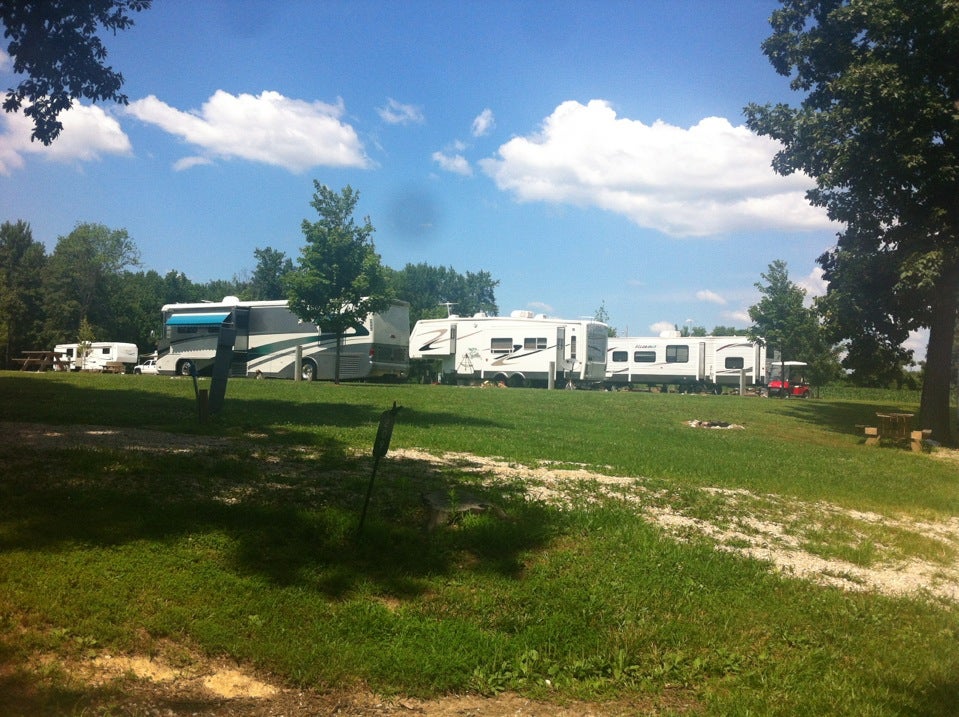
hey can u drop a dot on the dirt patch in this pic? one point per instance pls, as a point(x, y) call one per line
point(771, 528)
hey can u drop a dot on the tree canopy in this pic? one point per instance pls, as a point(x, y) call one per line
point(339, 279)
point(878, 130)
point(55, 44)
point(431, 289)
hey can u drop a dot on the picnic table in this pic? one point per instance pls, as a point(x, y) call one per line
point(42, 360)
point(895, 428)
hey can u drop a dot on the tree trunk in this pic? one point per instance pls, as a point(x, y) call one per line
point(934, 406)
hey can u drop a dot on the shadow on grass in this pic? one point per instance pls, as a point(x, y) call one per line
point(289, 518)
point(169, 404)
point(838, 417)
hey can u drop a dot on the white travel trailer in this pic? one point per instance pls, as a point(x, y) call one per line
point(95, 356)
point(268, 335)
point(518, 350)
point(694, 363)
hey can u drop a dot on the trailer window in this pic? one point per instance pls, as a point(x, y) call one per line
point(620, 356)
point(537, 343)
point(677, 354)
point(501, 346)
point(644, 357)
point(735, 362)
point(572, 347)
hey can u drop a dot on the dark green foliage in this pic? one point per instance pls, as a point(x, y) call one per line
point(877, 128)
point(432, 291)
point(55, 43)
point(22, 262)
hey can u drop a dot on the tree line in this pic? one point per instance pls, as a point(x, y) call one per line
point(94, 275)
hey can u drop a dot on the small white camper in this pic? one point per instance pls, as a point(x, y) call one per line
point(95, 356)
point(521, 349)
point(694, 363)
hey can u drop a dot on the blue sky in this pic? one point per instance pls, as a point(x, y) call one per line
point(584, 153)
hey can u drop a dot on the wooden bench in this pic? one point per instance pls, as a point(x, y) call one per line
point(896, 428)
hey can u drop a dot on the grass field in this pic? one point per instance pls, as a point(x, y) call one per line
point(237, 539)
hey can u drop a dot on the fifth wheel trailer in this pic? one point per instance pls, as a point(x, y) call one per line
point(521, 349)
point(694, 363)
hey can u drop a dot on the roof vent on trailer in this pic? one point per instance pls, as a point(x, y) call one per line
point(521, 314)
point(231, 300)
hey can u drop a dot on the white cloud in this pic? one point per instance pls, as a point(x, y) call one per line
point(6, 62)
point(710, 296)
point(190, 162)
point(88, 134)
point(739, 318)
point(917, 342)
point(268, 128)
point(661, 326)
point(814, 284)
point(483, 123)
point(711, 178)
point(397, 113)
point(456, 163)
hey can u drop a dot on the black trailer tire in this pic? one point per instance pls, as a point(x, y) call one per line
point(185, 368)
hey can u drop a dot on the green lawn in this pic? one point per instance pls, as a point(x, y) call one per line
point(250, 549)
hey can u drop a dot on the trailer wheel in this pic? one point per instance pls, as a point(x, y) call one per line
point(186, 368)
point(308, 370)
point(517, 380)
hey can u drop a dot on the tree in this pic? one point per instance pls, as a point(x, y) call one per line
point(55, 44)
point(339, 279)
point(878, 129)
point(429, 289)
point(22, 260)
point(602, 315)
point(783, 322)
point(81, 280)
point(267, 281)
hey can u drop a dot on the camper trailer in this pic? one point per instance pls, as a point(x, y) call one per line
point(95, 356)
point(693, 363)
point(268, 335)
point(521, 349)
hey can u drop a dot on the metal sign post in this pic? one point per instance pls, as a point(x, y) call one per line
point(380, 447)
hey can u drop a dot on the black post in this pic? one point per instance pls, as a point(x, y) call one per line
point(380, 447)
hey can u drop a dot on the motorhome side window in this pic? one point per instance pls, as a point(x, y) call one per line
point(501, 346)
point(537, 343)
point(677, 354)
point(735, 362)
point(620, 356)
point(644, 357)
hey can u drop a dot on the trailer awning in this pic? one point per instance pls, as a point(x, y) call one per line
point(197, 319)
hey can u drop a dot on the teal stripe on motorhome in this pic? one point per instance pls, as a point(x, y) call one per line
point(196, 319)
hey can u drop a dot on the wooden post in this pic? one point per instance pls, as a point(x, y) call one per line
point(203, 404)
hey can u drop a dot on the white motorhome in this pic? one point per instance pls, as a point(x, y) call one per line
point(693, 363)
point(95, 356)
point(267, 337)
point(517, 350)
